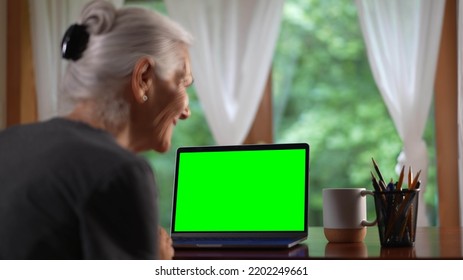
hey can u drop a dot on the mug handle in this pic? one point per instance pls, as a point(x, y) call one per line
point(364, 222)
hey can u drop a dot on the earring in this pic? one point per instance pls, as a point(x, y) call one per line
point(144, 98)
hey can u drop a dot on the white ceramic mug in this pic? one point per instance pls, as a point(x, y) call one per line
point(344, 214)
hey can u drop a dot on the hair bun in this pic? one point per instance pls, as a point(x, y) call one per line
point(98, 16)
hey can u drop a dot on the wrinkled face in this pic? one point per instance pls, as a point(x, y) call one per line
point(171, 104)
point(167, 103)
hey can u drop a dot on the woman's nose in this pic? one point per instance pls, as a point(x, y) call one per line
point(186, 113)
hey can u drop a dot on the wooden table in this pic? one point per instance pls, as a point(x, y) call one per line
point(431, 243)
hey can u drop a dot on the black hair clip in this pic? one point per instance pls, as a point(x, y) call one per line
point(74, 42)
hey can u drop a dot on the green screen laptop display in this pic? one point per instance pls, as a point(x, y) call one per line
point(248, 188)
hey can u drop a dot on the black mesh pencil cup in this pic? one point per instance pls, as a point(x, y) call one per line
point(396, 212)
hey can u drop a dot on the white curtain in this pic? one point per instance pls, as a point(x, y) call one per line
point(460, 107)
point(49, 21)
point(231, 57)
point(402, 40)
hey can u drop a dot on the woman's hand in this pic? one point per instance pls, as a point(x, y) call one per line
point(166, 251)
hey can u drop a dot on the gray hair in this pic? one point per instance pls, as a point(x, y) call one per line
point(118, 39)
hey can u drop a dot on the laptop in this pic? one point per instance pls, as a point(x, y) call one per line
point(241, 196)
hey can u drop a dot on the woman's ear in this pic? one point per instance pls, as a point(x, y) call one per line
point(142, 79)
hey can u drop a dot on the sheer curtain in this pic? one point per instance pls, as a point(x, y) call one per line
point(49, 21)
point(231, 58)
point(402, 40)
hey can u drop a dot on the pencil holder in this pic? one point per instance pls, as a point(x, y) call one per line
point(396, 213)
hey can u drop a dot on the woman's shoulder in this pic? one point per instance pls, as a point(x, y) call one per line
point(94, 143)
point(81, 144)
point(63, 144)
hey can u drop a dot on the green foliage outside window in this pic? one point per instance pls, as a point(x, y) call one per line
point(325, 95)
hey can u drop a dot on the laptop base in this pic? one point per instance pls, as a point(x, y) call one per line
point(236, 242)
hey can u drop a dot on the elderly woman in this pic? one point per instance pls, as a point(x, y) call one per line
point(73, 187)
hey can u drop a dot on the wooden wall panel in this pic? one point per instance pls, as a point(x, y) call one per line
point(446, 114)
point(2, 64)
point(262, 128)
point(20, 95)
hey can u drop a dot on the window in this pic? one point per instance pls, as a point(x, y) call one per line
point(323, 94)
